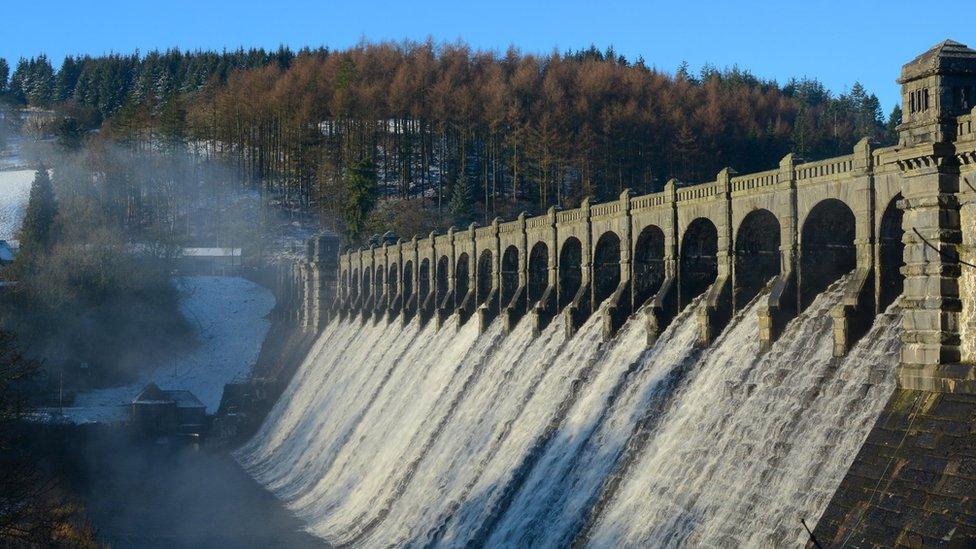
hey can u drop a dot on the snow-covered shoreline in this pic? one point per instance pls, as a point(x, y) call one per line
point(230, 317)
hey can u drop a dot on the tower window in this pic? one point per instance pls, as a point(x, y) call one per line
point(925, 95)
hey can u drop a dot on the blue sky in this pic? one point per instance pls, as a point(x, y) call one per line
point(837, 42)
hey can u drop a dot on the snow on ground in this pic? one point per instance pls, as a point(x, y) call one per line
point(230, 315)
point(14, 190)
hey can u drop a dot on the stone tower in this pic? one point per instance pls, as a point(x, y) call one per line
point(937, 87)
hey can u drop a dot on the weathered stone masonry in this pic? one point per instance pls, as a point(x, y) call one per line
point(902, 219)
point(891, 215)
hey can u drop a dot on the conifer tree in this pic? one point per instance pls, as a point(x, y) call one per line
point(4, 75)
point(36, 234)
point(360, 197)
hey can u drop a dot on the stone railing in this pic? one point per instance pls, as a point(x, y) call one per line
point(697, 192)
point(754, 181)
point(608, 208)
point(966, 125)
point(825, 168)
point(569, 216)
point(648, 201)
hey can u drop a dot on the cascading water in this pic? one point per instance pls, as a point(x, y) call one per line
point(396, 435)
point(755, 442)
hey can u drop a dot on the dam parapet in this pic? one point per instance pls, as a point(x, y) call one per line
point(891, 214)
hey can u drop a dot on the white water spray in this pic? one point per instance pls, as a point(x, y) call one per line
point(395, 435)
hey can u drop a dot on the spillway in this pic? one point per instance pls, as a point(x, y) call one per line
point(404, 435)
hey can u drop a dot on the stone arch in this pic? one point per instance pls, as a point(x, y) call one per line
point(699, 259)
point(648, 264)
point(407, 281)
point(538, 271)
point(827, 249)
point(462, 277)
point(441, 280)
point(392, 280)
point(367, 285)
point(379, 281)
point(891, 252)
point(757, 255)
point(570, 270)
point(484, 277)
point(510, 270)
point(606, 266)
point(423, 281)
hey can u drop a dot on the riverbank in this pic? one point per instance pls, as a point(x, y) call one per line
point(138, 493)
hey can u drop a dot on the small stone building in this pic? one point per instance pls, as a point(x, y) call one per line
point(157, 412)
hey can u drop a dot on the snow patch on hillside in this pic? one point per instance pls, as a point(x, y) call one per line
point(230, 318)
point(14, 190)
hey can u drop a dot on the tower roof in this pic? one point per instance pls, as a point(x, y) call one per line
point(947, 57)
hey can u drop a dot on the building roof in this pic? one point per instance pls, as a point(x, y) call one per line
point(184, 399)
point(152, 394)
point(6, 251)
point(947, 56)
point(212, 252)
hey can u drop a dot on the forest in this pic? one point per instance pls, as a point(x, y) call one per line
point(414, 136)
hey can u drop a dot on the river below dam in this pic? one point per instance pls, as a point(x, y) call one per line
point(405, 435)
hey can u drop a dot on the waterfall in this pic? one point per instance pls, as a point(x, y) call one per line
point(755, 442)
point(394, 434)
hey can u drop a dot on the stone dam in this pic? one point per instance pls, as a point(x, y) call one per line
point(720, 364)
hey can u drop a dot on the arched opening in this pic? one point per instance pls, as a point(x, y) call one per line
point(441, 282)
point(407, 281)
point(423, 281)
point(354, 291)
point(891, 252)
point(826, 248)
point(392, 281)
point(462, 277)
point(345, 283)
point(484, 276)
point(648, 264)
point(510, 266)
point(380, 288)
point(699, 259)
point(538, 271)
point(757, 256)
point(606, 266)
point(570, 270)
point(367, 282)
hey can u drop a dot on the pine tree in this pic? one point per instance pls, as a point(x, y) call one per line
point(36, 234)
point(360, 183)
point(4, 75)
point(462, 199)
point(891, 128)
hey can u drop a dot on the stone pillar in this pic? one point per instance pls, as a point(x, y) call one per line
point(489, 310)
point(664, 304)
point(581, 307)
point(620, 302)
point(446, 303)
point(429, 305)
point(545, 310)
point(718, 309)
point(853, 316)
point(395, 304)
point(515, 309)
point(930, 358)
point(466, 302)
point(784, 298)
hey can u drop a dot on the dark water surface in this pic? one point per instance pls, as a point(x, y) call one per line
point(141, 494)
